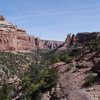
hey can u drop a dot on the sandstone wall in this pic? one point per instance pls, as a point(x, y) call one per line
point(79, 38)
point(13, 38)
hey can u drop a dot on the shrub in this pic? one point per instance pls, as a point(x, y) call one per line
point(94, 44)
point(38, 81)
point(35, 81)
point(70, 66)
point(90, 80)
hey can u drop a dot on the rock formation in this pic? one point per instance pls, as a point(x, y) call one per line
point(79, 39)
point(70, 84)
point(73, 78)
point(13, 38)
point(86, 37)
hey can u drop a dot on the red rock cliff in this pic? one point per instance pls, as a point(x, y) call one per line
point(79, 39)
point(13, 38)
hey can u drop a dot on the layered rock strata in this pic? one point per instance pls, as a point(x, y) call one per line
point(79, 39)
point(13, 38)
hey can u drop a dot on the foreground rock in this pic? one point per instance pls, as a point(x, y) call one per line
point(70, 84)
point(79, 95)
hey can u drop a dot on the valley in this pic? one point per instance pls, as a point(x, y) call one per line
point(35, 69)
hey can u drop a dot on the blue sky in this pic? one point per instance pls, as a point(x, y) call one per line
point(53, 19)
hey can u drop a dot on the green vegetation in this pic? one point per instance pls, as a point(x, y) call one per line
point(35, 80)
point(60, 56)
point(38, 82)
point(94, 45)
point(70, 66)
point(90, 80)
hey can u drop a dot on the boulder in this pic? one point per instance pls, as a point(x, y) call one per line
point(79, 95)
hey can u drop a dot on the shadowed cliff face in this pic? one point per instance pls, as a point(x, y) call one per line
point(13, 38)
point(86, 37)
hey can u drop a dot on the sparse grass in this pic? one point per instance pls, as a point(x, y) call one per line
point(70, 66)
point(99, 98)
point(89, 80)
point(79, 66)
point(36, 80)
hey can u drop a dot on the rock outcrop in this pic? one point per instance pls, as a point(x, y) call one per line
point(75, 78)
point(48, 44)
point(79, 38)
point(70, 84)
point(13, 38)
point(2, 18)
point(86, 37)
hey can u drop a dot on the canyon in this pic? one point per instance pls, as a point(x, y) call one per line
point(73, 61)
point(13, 38)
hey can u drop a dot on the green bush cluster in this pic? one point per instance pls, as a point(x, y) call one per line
point(94, 45)
point(89, 81)
point(34, 82)
point(60, 56)
point(37, 81)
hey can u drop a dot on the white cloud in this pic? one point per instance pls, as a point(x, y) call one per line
point(50, 13)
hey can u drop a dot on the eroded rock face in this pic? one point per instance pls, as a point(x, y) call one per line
point(86, 36)
point(69, 86)
point(16, 41)
point(48, 44)
point(79, 38)
point(13, 38)
point(2, 18)
point(68, 39)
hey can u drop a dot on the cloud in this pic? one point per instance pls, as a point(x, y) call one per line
point(50, 13)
